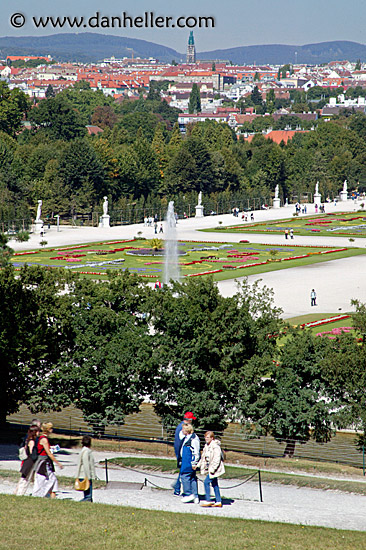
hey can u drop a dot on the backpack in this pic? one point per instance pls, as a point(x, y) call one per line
point(35, 454)
point(223, 455)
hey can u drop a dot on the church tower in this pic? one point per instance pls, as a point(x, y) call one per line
point(191, 49)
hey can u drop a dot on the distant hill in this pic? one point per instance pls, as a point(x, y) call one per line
point(88, 47)
point(84, 47)
point(280, 54)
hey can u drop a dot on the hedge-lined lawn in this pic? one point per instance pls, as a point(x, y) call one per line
point(324, 323)
point(343, 224)
point(27, 522)
point(222, 260)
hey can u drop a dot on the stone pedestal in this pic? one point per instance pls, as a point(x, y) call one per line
point(343, 196)
point(276, 203)
point(199, 211)
point(317, 199)
point(104, 221)
point(38, 225)
point(286, 203)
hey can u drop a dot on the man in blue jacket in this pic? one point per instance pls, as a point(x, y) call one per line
point(178, 440)
point(190, 455)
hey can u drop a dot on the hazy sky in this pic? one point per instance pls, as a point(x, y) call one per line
point(237, 22)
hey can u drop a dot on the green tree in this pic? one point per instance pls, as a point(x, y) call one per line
point(50, 92)
point(14, 104)
point(194, 104)
point(57, 118)
point(202, 343)
point(30, 335)
point(256, 97)
point(5, 251)
point(289, 401)
point(104, 368)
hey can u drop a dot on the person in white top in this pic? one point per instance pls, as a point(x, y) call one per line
point(86, 467)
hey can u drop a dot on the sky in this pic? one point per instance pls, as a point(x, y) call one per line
point(237, 22)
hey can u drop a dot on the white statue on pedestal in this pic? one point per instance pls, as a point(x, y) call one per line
point(199, 207)
point(277, 190)
point(105, 206)
point(317, 188)
point(39, 209)
point(345, 186)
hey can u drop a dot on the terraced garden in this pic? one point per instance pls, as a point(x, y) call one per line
point(343, 224)
point(221, 260)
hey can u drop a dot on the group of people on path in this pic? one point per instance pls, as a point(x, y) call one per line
point(210, 463)
point(38, 463)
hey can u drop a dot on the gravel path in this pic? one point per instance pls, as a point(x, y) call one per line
point(280, 503)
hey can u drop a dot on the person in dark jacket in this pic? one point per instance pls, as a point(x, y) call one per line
point(178, 440)
point(190, 455)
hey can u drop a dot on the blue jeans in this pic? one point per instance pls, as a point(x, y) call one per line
point(215, 484)
point(189, 481)
point(88, 494)
point(176, 487)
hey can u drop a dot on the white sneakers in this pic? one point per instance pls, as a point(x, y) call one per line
point(191, 498)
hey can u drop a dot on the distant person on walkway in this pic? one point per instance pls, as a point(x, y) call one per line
point(313, 297)
point(161, 229)
point(156, 227)
point(45, 483)
point(27, 464)
point(178, 440)
point(286, 233)
point(86, 467)
point(252, 217)
point(291, 233)
point(189, 457)
point(212, 466)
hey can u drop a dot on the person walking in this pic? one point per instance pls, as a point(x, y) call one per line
point(286, 234)
point(212, 466)
point(26, 469)
point(313, 297)
point(291, 233)
point(86, 467)
point(178, 440)
point(189, 457)
point(45, 483)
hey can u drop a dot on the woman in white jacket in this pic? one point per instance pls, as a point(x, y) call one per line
point(212, 466)
point(86, 467)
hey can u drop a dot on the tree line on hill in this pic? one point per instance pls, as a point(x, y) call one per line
point(105, 346)
point(141, 155)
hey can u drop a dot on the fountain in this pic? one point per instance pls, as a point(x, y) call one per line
point(171, 247)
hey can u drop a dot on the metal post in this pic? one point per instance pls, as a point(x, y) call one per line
point(106, 470)
point(363, 459)
point(260, 486)
point(58, 222)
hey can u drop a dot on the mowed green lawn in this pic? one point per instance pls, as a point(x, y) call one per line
point(27, 522)
point(221, 260)
point(343, 224)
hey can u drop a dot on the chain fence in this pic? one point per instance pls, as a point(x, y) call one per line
point(146, 426)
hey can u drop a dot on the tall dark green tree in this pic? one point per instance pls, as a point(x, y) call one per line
point(194, 104)
point(202, 343)
point(30, 336)
point(290, 401)
point(57, 118)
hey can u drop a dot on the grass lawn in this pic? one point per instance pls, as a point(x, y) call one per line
point(222, 260)
point(343, 224)
point(56, 525)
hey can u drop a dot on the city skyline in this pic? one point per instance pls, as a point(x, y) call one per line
point(266, 22)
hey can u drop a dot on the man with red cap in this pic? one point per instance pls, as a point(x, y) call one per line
point(178, 440)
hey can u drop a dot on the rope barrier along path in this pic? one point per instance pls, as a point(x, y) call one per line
point(225, 488)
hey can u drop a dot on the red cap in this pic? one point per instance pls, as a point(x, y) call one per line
point(190, 415)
